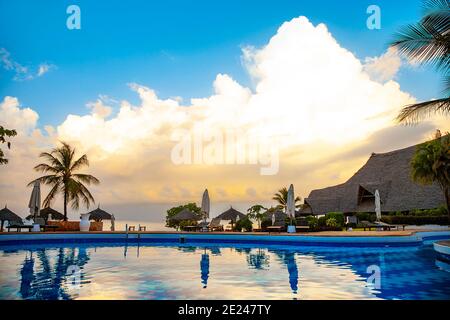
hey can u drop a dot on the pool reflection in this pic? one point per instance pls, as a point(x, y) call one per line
point(168, 272)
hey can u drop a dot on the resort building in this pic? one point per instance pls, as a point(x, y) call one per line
point(390, 174)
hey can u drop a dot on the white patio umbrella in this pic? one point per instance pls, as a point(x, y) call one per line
point(35, 203)
point(205, 207)
point(113, 223)
point(377, 205)
point(290, 207)
point(273, 218)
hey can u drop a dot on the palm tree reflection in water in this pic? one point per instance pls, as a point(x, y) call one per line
point(40, 279)
point(47, 282)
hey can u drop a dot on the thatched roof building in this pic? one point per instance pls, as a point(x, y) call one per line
point(185, 214)
point(48, 214)
point(280, 217)
point(390, 173)
point(230, 214)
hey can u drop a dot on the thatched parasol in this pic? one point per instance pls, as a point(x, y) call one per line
point(48, 214)
point(8, 215)
point(185, 214)
point(231, 214)
point(99, 214)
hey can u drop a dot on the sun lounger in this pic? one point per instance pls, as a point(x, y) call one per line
point(19, 226)
point(301, 228)
point(274, 228)
point(385, 226)
point(190, 228)
point(44, 226)
point(377, 225)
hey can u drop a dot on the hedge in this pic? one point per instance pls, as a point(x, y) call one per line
point(416, 220)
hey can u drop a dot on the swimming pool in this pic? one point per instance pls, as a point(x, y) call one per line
point(98, 270)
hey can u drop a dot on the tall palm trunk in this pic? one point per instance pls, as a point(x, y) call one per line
point(65, 205)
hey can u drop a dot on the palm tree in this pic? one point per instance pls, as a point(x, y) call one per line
point(431, 163)
point(62, 178)
point(428, 42)
point(281, 198)
point(254, 212)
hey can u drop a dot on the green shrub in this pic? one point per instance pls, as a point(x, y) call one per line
point(243, 224)
point(337, 216)
point(441, 211)
point(331, 222)
point(416, 220)
point(366, 216)
point(313, 222)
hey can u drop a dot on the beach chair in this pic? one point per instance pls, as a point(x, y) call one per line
point(44, 226)
point(302, 225)
point(385, 226)
point(215, 225)
point(366, 225)
point(18, 225)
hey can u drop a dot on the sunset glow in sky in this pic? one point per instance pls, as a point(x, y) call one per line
point(322, 91)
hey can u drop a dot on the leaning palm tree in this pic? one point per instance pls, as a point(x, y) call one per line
point(281, 198)
point(431, 164)
point(62, 177)
point(428, 42)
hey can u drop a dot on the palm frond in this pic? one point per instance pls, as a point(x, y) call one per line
point(43, 167)
point(86, 178)
point(411, 114)
point(81, 162)
point(51, 195)
point(78, 191)
point(55, 162)
point(436, 13)
point(424, 44)
point(49, 179)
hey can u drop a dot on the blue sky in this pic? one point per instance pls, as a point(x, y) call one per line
point(174, 47)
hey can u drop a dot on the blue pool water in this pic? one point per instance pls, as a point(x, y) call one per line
point(202, 271)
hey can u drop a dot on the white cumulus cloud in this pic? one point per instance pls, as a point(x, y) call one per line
point(310, 93)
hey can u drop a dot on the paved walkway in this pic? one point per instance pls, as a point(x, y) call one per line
point(313, 234)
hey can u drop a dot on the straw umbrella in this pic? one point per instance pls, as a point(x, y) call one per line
point(231, 214)
point(99, 215)
point(8, 215)
point(48, 214)
point(185, 214)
